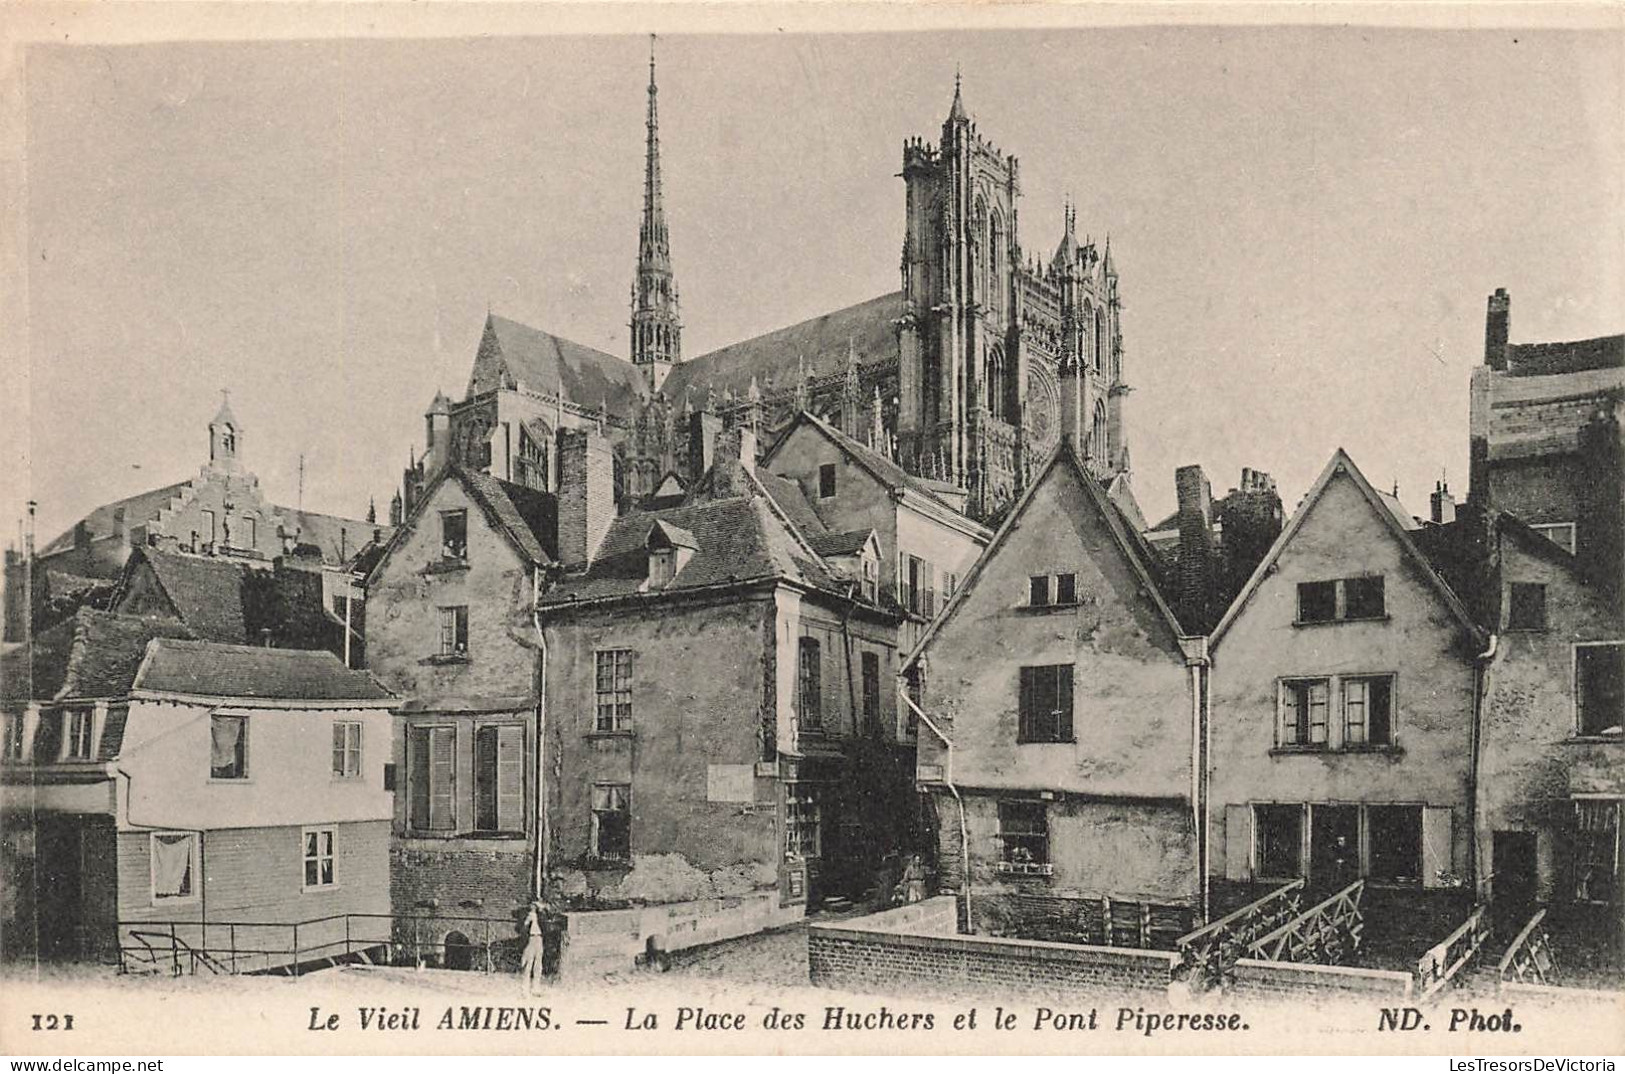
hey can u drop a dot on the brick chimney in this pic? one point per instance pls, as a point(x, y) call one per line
point(1196, 551)
point(1599, 531)
point(735, 456)
point(586, 495)
point(1497, 322)
point(703, 427)
point(1441, 505)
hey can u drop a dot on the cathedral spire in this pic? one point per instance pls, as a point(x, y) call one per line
point(956, 113)
point(656, 327)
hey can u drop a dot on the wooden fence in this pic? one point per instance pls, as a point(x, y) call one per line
point(1328, 932)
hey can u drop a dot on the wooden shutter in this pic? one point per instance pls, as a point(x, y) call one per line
point(1238, 842)
point(417, 764)
point(442, 776)
point(485, 779)
point(1436, 844)
point(1063, 703)
point(510, 778)
point(1024, 731)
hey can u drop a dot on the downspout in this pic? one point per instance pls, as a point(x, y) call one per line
point(948, 781)
point(539, 880)
point(1481, 674)
point(1201, 762)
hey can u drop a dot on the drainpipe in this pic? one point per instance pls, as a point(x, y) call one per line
point(1201, 668)
point(1481, 674)
point(539, 881)
point(948, 781)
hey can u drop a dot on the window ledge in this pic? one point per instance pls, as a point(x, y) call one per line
point(230, 781)
point(602, 864)
point(1046, 741)
point(1592, 739)
point(1346, 619)
point(1332, 751)
point(447, 658)
point(610, 734)
point(1055, 606)
point(1012, 868)
point(445, 566)
point(320, 889)
point(484, 835)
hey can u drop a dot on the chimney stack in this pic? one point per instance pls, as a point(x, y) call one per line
point(703, 426)
point(1441, 505)
point(1072, 430)
point(586, 495)
point(1196, 551)
point(1497, 323)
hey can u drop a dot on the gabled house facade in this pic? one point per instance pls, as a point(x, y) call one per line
point(214, 793)
point(1062, 761)
point(1344, 689)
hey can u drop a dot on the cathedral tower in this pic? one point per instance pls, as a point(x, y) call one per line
point(657, 332)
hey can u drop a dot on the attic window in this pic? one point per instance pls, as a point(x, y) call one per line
point(454, 535)
point(826, 481)
point(1526, 606)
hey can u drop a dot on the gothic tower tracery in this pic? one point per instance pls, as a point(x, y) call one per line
point(657, 330)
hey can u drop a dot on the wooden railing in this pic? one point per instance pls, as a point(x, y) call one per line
point(1451, 955)
point(1529, 959)
point(1326, 933)
point(1208, 954)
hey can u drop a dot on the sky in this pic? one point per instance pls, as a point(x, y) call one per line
point(1306, 223)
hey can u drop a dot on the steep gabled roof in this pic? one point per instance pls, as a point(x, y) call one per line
point(1128, 542)
point(526, 518)
point(882, 469)
point(848, 543)
point(516, 355)
point(206, 593)
point(139, 510)
point(818, 347)
point(92, 655)
point(207, 669)
point(1393, 519)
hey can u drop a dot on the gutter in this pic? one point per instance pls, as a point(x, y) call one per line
point(539, 880)
point(1481, 673)
point(948, 781)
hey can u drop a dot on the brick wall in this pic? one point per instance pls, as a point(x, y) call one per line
point(459, 878)
point(880, 953)
point(1257, 978)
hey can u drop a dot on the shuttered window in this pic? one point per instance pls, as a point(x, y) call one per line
point(1303, 712)
point(433, 777)
point(1046, 704)
point(499, 778)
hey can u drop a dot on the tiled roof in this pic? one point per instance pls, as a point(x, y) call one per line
point(139, 510)
point(738, 538)
point(886, 471)
point(541, 362)
point(792, 501)
point(207, 594)
point(338, 538)
point(1545, 359)
point(820, 346)
point(839, 544)
point(93, 655)
point(208, 669)
point(528, 517)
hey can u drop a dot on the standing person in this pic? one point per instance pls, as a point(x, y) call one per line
point(555, 928)
point(530, 966)
point(913, 880)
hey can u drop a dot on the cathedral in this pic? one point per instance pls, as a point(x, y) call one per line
point(957, 376)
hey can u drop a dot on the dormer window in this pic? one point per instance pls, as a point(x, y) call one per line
point(454, 535)
point(670, 548)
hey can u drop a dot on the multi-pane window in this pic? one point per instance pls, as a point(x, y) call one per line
point(1303, 712)
point(454, 631)
point(1342, 598)
point(174, 865)
point(319, 857)
point(228, 747)
point(1596, 849)
point(80, 725)
point(1368, 711)
point(1279, 839)
point(1046, 590)
point(1394, 834)
point(611, 821)
point(914, 683)
point(614, 690)
point(1599, 688)
point(1526, 606)
point(1023, 834)
point(871, 692)
point(346, 749)
point(499, 778)
point(810, 674)
point(431, 777)
point(916, 585)
point(454, 535)
point(802, 827)
point(826, 481)
point(1046, 704)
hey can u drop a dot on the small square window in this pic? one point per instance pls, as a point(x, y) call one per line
point(1317, 602)
point(1526, 606)
point(454, 535)
point(826, 481)
point(1066, 589)
point(1038, 590)
point(1363, 598)
point(1024, 833)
